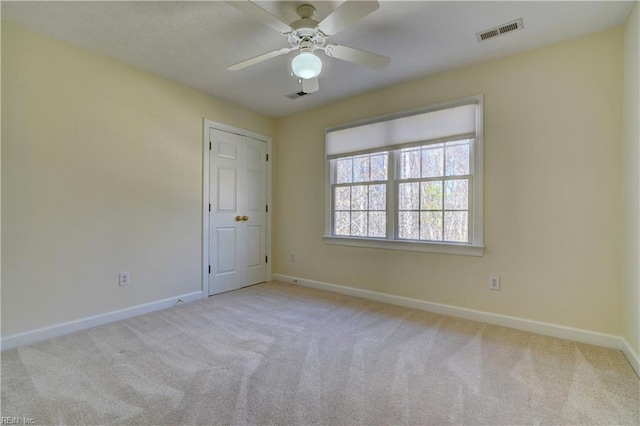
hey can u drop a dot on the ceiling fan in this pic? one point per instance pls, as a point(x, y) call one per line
point(307, 35)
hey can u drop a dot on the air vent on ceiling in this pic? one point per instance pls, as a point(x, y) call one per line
point(500, 30)
point(296, 95)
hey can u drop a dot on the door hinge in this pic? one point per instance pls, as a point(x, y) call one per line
point(266, 209)
point(267, 157)
point(209, 268)
point(209, 146)
point(209, 206)
point(266, 259)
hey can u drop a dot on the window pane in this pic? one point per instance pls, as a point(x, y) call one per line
point(456, 227)
point(379, 166)
point(359, 197)
point(343, 171)
point(361, 169)
point(456, 194)
point(377, 224)
point(359, 224)
point(431, 193)
point(431, 226)
point(410, 164)
point(408, 196)
point(432, 161)
point(408, 225)
point(342, 223)
point(377, 197)
point(342, 198)
point(457, 159)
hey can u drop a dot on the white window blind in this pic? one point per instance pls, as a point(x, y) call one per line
point(437, 125)
point(411, 180)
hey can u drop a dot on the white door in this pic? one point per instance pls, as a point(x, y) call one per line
point(238, 197)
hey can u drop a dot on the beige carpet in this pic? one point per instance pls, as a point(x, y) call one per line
point(283, 354)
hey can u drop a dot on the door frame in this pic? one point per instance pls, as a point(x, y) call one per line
point(205, 195)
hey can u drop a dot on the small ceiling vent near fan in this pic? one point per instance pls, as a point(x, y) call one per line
point(500, 30)
point(296, 95)
point(307, 36)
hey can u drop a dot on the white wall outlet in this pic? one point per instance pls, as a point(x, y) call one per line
point(124, 278)
point(293, 257)
point(494, 282)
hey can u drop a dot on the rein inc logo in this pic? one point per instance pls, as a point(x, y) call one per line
point(17, 421)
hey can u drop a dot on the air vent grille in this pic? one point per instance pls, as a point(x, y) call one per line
point(500, 30)
point(489, 34)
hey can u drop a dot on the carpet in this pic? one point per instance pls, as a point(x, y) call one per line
point(283, 354)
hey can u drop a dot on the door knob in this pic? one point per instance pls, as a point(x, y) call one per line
point(238, 218)
point(245, 218)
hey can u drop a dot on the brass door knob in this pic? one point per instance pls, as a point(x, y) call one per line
point(245, 218)
point(238, 218)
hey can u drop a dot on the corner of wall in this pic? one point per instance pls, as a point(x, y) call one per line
point(631, 182)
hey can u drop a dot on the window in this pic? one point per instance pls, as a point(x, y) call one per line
point(433, 192)
point(360, 195)
point(412, 181)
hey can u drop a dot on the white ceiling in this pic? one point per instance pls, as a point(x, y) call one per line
point(192, 43)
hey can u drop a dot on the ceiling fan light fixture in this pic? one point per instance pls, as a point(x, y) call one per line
point(306, 65)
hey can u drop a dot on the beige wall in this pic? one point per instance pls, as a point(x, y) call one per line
point(101, 173)
point(552, 190)
point(631, 167)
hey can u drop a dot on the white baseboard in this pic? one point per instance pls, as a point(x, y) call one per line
point(632, 356)
point(34, 336)
point(547, 329)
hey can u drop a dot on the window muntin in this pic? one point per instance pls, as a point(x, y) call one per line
point(359, 195)
point(432, 193)
point(434, 189)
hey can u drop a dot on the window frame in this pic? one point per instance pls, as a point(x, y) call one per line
point(333, 184)
point(475, 247)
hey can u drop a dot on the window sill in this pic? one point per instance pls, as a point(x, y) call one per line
point(428, 247)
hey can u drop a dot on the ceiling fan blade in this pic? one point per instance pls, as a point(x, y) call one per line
point(346, 14)
point(257, 13)
point(310, 85)
point(259, 58)
point(357, 56)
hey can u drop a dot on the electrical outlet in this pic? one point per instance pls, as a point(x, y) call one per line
point(494, 282)
point(125, 278)
point(293, 257)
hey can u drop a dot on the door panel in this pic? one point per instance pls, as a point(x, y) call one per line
point(253, 234)
point(253, 154)
point(226, 250)
point(254, 190)
point(227, 189)
point(237, 220)
point(227, 150)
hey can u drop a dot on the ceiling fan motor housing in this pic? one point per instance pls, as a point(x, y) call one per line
point(306, 39)
point(306, 11)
